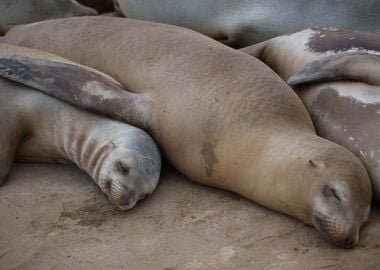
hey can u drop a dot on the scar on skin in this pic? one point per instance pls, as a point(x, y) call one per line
point(209, 157)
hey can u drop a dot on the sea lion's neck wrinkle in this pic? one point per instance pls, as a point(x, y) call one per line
point(75, 145)
point(84, 150)
point(97, 156)
point(71, 144)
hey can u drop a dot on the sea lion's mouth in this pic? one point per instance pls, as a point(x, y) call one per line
point(121, 196)
point(336, 231)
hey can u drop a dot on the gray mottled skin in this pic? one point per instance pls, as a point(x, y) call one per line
point(27, 11)
point(244, 22)
point(336, 74)
point(123, 160)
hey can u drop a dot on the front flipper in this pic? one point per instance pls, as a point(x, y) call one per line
point(73, 83)
point(362, 67)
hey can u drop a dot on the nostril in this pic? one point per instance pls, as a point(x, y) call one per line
point(349, 241)
point(125, 200)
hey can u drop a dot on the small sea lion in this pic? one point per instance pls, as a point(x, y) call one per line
point(123, 160)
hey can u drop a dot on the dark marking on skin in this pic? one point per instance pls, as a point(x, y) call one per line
point(342, 40)
point(209, 157)
point(67, 82)
point(312, 163)
point(354, 66)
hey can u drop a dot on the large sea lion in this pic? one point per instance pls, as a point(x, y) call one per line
point(221, 118)
point(26, 11)
point(245, 22)
point(123, 160)
point(342, 70)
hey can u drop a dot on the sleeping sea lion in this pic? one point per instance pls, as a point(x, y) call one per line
point(221, 118)
point(342, 94)
point(123, 160)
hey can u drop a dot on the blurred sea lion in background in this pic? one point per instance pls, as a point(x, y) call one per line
point(241, 23)
point(26, 11)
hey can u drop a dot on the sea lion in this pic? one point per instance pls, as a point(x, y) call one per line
point(244, 22)
point(342, 70)
point(26, 11)
point(221, 118)
point(123, 160)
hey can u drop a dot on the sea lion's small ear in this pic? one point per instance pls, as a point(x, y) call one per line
point(316, 164)
point(361, 67)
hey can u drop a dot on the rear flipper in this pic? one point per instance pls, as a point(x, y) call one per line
point(73, 83)
point(362, 67)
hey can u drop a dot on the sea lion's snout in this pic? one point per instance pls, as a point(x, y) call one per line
point(128, 176)
point(121, 195)
point(337, 215)
point(128, 168)
point(337, 231)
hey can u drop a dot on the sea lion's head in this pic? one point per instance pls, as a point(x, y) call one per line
point(340, 201)
point(337, 215)
point(131, 170)
point(324, 185)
